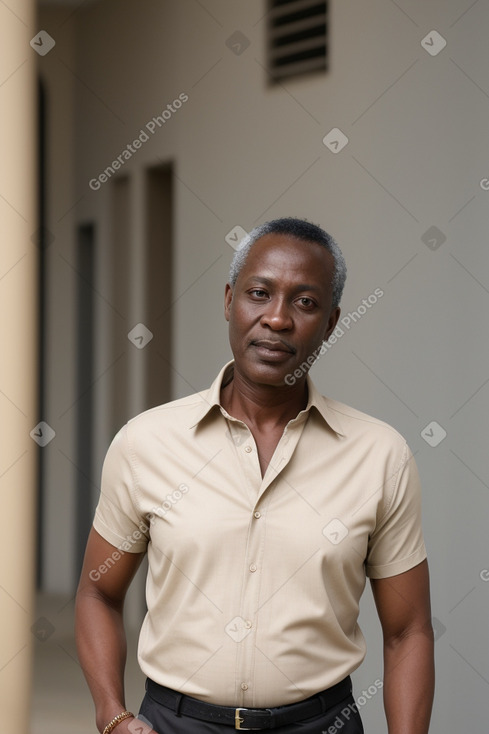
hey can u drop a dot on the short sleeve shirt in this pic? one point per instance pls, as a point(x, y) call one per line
point(254, 582)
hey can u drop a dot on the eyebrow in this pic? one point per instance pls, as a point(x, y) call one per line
point(270, 282)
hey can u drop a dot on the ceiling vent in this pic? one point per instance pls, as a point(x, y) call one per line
point(297, 41)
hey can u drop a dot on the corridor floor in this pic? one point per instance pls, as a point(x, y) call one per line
point(61, 700)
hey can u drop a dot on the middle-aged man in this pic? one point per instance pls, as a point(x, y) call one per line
point(262, 506)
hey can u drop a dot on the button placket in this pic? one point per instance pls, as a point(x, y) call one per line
point(250, 603)
point(247, 456)
point(255, 553)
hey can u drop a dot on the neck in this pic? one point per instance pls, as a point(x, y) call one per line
point(263, 405)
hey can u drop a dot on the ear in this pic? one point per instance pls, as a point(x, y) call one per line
point(228, 297)
point(332, 321)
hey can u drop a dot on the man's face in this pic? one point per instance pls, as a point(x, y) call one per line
point(280, 308)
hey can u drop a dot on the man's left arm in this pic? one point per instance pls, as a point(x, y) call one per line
point(403, 605)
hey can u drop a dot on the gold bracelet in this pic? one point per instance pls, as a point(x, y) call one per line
point(116, 720)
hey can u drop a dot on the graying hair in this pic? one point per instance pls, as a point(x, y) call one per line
point(303, 230)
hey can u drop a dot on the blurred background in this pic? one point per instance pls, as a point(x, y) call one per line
point(140, 140)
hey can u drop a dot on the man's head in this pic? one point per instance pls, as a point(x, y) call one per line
point(281, 302)
point(299, 229)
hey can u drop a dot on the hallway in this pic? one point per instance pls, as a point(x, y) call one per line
point(61, 699)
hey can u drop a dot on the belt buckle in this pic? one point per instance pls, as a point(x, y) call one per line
point(238, 721)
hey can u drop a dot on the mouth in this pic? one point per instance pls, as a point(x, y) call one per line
point(273, 349)
point(274, 345)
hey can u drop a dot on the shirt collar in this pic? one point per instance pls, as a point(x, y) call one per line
point(211, 400)
point(322, 405)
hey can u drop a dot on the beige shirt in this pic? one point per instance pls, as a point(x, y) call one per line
point(254, 583)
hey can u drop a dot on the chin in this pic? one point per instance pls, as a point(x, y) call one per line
point(264, 373)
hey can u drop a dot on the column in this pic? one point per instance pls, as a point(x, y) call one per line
point(18, 363)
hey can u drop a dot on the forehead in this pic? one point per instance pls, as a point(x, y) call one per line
point(276, 254)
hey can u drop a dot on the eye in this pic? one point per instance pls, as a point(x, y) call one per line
point(258, 293)
point(306, 302)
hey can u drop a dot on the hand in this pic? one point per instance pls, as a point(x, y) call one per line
point(134, 726)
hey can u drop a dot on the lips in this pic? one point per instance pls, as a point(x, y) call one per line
point(273, 345)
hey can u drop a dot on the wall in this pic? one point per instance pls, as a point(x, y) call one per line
point(56, 75)
point(20, 430)
point(245, 152)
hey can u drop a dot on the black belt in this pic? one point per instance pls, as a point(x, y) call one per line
point(250, 718)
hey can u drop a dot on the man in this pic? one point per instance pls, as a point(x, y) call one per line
point(262, 506)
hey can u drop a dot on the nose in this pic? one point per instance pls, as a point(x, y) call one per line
point(277, 315)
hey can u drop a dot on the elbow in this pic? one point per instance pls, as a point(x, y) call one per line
point(412, 634)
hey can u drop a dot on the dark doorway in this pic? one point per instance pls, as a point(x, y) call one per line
point(84, 381)
point(159, 279)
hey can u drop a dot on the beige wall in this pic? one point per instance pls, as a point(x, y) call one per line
point(19, 257)
point(244, 152)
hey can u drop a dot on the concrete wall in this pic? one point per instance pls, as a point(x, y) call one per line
point(244, 152)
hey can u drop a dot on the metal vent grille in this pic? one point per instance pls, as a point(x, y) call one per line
point(297, 35)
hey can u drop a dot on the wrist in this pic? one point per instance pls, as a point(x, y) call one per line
point(106, 714)
point(116, 720)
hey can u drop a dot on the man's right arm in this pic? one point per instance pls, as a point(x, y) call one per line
point(100, 636)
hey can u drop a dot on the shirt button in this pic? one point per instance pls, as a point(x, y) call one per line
point(253, 567)
point(248, 625)
point(257, 514)
point(248, 449)
point(244, 686)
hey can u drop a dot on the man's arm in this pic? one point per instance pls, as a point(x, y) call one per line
point(100, 636)
point(403, 605)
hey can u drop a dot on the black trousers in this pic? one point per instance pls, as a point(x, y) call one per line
point(340, 719)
